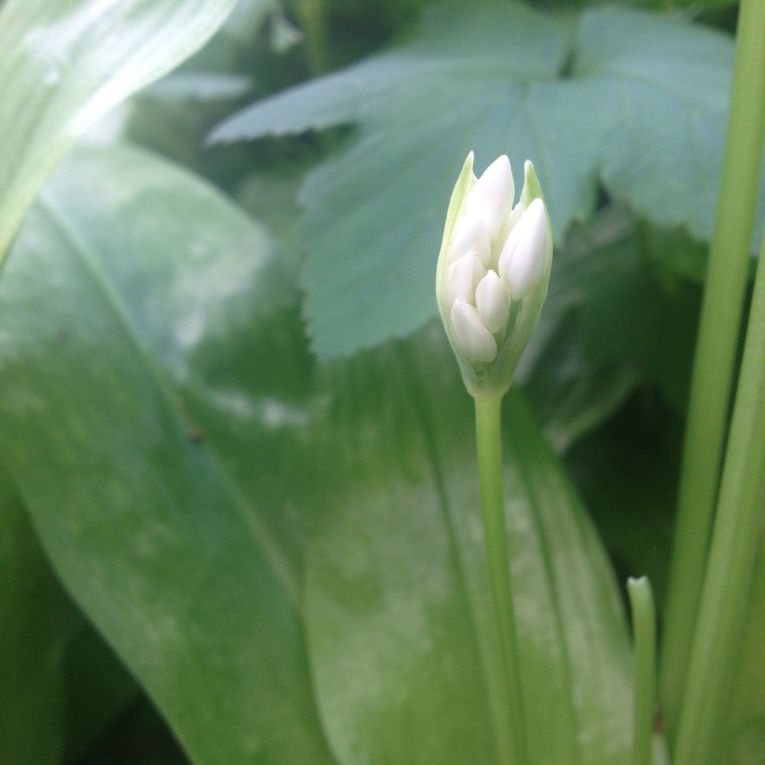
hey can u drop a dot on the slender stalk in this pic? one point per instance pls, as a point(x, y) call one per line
point(644, 639)
point(310, 15)
point(732, 552)
point(715, 352)
point(489, 444)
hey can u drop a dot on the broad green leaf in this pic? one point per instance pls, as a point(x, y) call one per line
point(127, 281)
point(374, 214)
point(667, 84)
point(66, 63)
point(31, 643)
point(635, 99)
point(399, 616)
point(173, 442)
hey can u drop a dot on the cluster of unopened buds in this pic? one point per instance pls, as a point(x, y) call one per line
point(493, 271)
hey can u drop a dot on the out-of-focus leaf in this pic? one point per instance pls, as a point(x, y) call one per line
point(374, 213)
point(570, 388)
point(640, 318)
point(64, 64)
point(581, 100)
point(399, 615)
point(30, 642)
point(743, 742)
point(679, 254)
point(137, 737)
point(199, 86)
point(667, 86)
point(115, 298)
point(193, 442)
point(627, 472)
point(97, 689)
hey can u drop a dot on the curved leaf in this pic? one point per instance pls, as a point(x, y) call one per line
point(113, 290)
point(64, 64)
point(399, 615)
point(167, 429)
point(31, 643)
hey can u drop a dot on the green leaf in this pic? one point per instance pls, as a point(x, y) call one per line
point(64, 64)
point(570, 387)
point(667, 84)
point(582, 100)
point(744, 737)
point(97, 689)
point(30, 642)
point(115, 288)
point(398, 607)
point(166, 425)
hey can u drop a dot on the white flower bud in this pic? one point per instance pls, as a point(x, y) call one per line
point(462, 278)
point(525, 258)
point(492, 195)
point(471, 234)
point(489, 295)
point(473, 340)
point(493, 302)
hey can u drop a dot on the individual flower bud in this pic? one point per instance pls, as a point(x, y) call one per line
point(493, 302)
point(492, 274)
point(471, 234)
point(462, 278)
point(475, 342)
point(525, 258)
point(491, 198)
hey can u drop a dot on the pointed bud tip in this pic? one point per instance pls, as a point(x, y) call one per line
point(526, 255)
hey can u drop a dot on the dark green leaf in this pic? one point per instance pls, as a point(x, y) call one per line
point(30, 642)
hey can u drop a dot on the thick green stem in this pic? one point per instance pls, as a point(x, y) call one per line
point(644, 639)
point(715, 353)
point(489, 444)
point(732, 552)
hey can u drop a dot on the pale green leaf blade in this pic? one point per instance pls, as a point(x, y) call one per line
point(398, 606)
point(64, 64)
point(144, 511)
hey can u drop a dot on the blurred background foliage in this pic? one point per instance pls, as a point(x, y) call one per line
point(321, 137)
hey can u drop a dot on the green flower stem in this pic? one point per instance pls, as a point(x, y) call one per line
point(737, 532)
point(489, 444)
point(715, 353)
point(310, 14)
point(644, 639)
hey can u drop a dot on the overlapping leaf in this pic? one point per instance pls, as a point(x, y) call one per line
point(172, 442)
point(584, 98)
point(147, 525)
point(31, 644)
point(64, 64)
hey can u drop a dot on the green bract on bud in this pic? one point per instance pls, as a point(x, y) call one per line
point(493, 271)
